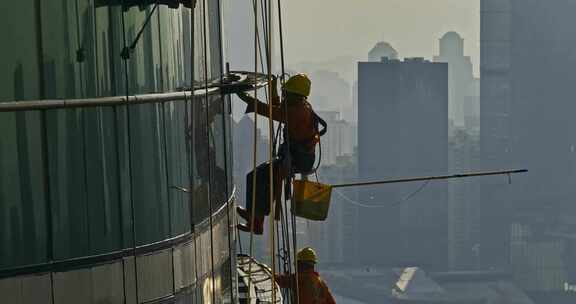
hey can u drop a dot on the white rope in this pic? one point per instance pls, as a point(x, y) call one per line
point(382, 204)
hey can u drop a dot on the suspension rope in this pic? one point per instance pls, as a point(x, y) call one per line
point(291, 252)
point(225, 101)
point(254, 151)
point(286, 234)
point(288, 261)
point(272, 217)
point(191, 137)
point(129, 138)
point(384, 205)
point(207, 112)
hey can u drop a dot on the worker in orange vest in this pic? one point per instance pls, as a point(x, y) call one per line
point(296, 154)
point(311, 288)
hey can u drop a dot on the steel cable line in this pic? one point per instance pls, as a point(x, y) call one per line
point(254, 151)
point(207, 112)
point(384, 205)
point(272, 218)
point(130, 169)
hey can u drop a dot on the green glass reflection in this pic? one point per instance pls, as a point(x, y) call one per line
point(23, 236)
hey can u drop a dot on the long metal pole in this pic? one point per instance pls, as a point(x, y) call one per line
point(428, 178)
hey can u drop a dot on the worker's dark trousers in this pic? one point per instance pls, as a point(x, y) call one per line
point(263, 187)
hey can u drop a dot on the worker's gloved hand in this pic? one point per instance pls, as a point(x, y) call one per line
point(249, 100)
point(235, 88)
point(249, 109)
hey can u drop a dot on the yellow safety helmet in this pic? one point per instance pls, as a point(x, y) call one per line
point(298, 84)
point(307, 255)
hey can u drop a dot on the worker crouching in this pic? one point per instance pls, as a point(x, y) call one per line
point(296, 153)
point(311, 288)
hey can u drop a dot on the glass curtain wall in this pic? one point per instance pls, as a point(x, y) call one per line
point(85, 182)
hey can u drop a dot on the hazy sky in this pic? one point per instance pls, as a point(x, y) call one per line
point(318, 30)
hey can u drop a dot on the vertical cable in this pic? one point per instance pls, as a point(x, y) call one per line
point(119, 178)
point(167, 175)
point(117, 151)
point(165, 143)
point(207, 104)
point(225, 137)
point(254, 150)
point(296, 291)
point(286, 236)
point(272, 218)
point(129, 158)
point(45, 155)
point(192, 139)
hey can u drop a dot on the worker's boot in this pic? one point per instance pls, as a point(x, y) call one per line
point(258, 226)
point(243, 213)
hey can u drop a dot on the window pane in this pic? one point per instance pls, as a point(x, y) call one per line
point(22, 201)
point(144, 64)
point(102, 176)
point(217, 153)
point(67, 172)
point(229, 151)
point(178, 168)
point(201, 161)
point(171, 47)
point(148, 173)
point(102, 181)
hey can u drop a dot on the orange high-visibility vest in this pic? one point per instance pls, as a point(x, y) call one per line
point(311, 288)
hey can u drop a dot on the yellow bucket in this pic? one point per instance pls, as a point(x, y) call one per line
point(311, 200)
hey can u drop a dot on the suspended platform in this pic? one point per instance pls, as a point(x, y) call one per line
point(259, 278)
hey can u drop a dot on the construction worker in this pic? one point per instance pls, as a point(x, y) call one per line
point(311, 288)
point(297, 152)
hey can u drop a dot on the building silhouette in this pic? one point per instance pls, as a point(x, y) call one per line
point(380, 50)
point(403, 131)
point(527, 120)
point(463, 114)
point(460, 77)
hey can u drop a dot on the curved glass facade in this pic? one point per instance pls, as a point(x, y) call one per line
point(89, 206)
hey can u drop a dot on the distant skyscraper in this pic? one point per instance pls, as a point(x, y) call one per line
point(339, 141)
point(460, 77)
point(380, 50)
point(527, 120)
point(403, 132)
point(330, 92)
point(462, 102)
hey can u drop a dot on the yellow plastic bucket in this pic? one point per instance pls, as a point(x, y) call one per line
point(311, 200)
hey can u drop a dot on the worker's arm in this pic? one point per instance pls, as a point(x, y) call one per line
point(253, 103)
point(284, 280)
point(328, 298)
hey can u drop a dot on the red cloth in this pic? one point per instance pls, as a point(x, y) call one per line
point(311, 288)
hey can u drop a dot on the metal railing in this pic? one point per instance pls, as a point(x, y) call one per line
point(243, 81)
